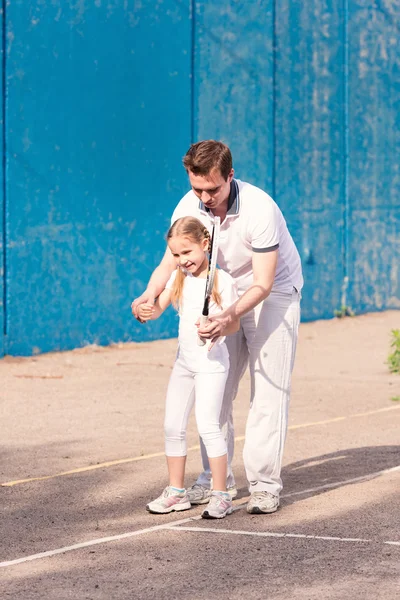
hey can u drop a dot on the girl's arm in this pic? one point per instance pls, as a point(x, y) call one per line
point(156, 284)
point(147, 312)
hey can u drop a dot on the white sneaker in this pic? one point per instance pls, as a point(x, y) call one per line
point(262, 503)
point(200, 494)
point(168, 501)
point(219, 506)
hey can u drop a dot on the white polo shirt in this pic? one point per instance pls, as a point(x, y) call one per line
point(254, 223)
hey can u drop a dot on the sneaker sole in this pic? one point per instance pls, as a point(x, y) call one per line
point(176, 508)
point(198, 502)
point(207, 515)
point(233, 495)
point(256, 510)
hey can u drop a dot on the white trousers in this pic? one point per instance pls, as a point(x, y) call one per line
point(266, 342)
point(206, 391)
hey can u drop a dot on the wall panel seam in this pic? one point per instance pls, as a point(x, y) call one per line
point(274, 83)
point(346, 167)
point(4, 167)
point(192, 74)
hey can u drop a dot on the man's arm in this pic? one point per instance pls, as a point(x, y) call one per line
point(157, 282)
point(264, 267)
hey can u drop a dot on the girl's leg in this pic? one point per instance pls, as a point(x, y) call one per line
point(209, 396)
point(180, 399)
point(176, 470)
point(238, 359)
point(219, 467)
point(179, 402)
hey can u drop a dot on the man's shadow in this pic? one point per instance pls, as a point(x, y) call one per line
point(320, 474)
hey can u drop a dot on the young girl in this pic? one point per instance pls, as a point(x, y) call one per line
point(200, 372)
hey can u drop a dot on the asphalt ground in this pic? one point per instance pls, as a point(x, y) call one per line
point(82, 453)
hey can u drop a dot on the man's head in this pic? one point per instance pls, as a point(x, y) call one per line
point(209, 166)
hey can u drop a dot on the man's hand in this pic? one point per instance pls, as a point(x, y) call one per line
point(145, 312)
point(216, 327)
point(146, 298)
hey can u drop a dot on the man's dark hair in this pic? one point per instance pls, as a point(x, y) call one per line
point(204, 157)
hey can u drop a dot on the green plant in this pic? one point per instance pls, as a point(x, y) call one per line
point(394, 357)
point(395, 398)
point(343, 311)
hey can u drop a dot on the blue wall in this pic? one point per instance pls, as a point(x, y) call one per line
point(374, 154)
point(103, 99)
point(310, 143)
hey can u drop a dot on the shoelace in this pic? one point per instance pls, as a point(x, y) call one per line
point(259, 496)
point(218, 499)
point(198, 486)
point(166, 493)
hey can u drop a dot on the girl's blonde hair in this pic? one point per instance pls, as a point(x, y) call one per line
point(193, 229)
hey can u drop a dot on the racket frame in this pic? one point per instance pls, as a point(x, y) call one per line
point(212, 267)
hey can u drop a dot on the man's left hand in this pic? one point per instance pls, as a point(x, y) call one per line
point(214, 329)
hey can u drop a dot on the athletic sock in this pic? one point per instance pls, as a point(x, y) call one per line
point(223, 493)
point(178, 490)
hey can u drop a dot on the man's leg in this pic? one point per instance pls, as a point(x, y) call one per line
point(238, 361)
point(272, 337)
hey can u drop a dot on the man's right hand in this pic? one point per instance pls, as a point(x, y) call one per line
point(145, 298)
point(156, 283)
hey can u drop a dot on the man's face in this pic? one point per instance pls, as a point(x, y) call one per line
point(213, 190)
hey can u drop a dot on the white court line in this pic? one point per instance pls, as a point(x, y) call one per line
point(272, 534)
point(104, 540)
point(172, 525)
point(336, 484)
point(393, 543)
point(366, 477)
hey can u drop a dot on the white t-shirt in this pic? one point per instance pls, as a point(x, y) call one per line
point(254, 223)
point(199, 358)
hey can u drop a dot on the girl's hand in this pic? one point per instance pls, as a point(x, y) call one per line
point(146, 299)
point(145, 312)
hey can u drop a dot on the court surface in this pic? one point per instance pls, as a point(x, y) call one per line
point(82, 453)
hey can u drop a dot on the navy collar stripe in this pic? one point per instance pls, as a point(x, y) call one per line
point(233, 201)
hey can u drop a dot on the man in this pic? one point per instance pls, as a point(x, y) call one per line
point(257, 250)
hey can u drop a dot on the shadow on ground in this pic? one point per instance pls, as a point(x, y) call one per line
point(167, 564)
point(334, 470)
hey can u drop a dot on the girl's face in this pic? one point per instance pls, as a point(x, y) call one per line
point(189, 254)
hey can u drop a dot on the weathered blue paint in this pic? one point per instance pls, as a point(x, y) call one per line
point(374, 147)
point(233, 83)
point(3, 219)
point(104, 98)
point(309, 132)
point(99, 117)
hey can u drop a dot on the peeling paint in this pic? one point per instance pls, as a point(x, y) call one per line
point(26, 141)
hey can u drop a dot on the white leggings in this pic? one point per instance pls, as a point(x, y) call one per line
point(206, 391)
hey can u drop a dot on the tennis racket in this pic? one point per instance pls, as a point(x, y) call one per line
point(212, 267)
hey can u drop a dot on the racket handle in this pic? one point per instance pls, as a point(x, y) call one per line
point(203, 321)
